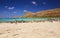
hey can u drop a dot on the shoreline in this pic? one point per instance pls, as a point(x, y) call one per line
point(31, 21)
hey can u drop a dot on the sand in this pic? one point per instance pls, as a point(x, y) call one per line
point(30, 30)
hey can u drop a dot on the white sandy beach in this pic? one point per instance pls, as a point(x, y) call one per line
point(30, 30)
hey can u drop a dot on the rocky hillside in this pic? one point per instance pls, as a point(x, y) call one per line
point(28, 15)
point(45, 13)
point(49, 13)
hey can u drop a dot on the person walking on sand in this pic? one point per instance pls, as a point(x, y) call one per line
point(16, 22)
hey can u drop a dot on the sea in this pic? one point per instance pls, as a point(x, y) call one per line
point(25, 19)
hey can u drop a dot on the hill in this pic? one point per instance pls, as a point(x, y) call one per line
point(45, 13)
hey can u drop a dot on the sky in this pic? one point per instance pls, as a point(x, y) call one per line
point(10, 8)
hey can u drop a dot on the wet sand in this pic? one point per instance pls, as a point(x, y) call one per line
point(30, 30)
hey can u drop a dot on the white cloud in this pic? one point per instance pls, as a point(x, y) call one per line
point(14, 12)
point(33, 2)
point(25, 10)
point(11, 8)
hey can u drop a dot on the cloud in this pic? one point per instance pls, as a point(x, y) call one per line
point(34, 2)
point(25, 10)
point(10, 8)
point(14, 12)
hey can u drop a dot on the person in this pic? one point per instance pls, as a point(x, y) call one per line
point(16, 22)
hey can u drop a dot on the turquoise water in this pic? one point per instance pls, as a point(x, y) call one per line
point(22, 19)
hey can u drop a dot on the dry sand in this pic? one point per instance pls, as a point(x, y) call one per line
point(30, 30)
